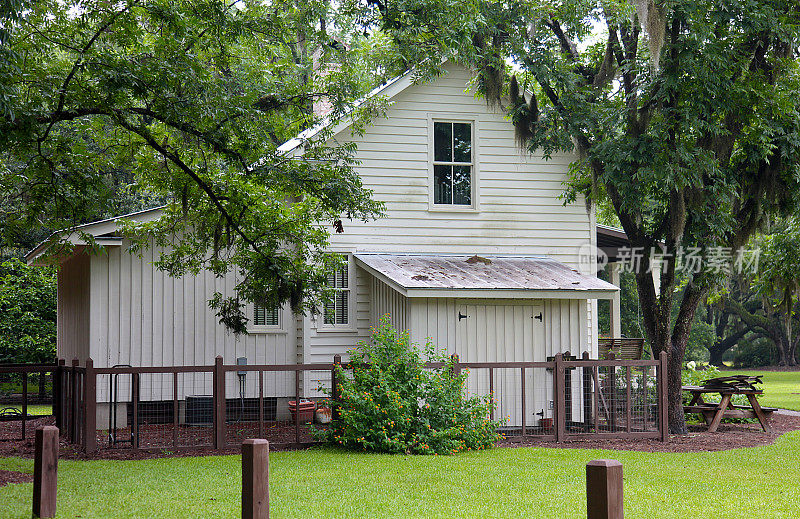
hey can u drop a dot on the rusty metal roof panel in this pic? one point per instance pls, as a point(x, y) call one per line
point(414, 272)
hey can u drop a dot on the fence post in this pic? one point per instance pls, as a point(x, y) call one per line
point(255, 479)
point(560, 404)
point(663, 395)
point(58, 393)
point(604, 490)
point(455, 369)
point(89, 408)
point(219, 404)
point(587, 394)
point(337, 363)
point(73, 411)
point(45, 468)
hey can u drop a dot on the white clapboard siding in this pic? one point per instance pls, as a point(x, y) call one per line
point(519, 206)
point(520, 210)
point(142, 317)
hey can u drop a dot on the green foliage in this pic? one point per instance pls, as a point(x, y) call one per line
point(27, 313)
point(391, 403)
point(186, 103)
point(755, 353)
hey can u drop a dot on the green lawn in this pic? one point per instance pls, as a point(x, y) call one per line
point(38, 410)
point(781, 388)
point(321, 483)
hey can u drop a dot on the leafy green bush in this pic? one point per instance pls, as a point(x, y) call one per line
point(27, 313)
point(391, 403)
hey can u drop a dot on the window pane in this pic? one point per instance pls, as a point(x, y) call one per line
point(330, 313)
point(462, 142)
point(259, 316)
point(443, 142)
point(462, 185)
point(442, 185)
point(341, 307)
point(342, 278)
point(262, 316)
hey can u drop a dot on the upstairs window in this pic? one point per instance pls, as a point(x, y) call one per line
point(337, 311)
point(452, 163)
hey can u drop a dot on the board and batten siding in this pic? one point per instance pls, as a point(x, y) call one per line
point(519, 210)
point(481, 330)
point(72, 329)
point(143, 317)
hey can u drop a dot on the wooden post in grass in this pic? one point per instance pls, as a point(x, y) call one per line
point(604, 493)
point(45, 467)
point(255, 479)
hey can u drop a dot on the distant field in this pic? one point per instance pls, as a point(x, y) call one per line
point(781, 388)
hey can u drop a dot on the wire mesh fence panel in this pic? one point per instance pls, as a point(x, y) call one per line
point(25, 399)
point(616, 400)
point(277, 405)
point(152, 414)
point(524, 399)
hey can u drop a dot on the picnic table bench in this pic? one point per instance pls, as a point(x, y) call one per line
point(727, 387)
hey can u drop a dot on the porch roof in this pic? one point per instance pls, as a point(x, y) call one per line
point(481, 277)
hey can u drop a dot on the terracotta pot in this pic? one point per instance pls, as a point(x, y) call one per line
point(323, 415)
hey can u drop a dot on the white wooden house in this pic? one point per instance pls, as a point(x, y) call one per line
point(455, 186)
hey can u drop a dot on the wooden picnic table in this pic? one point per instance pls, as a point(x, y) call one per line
point(713, 413)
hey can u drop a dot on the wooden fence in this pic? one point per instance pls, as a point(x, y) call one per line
point(588, 398)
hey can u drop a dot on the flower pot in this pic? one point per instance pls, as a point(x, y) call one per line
point(305, 409)
point(323, 415)
point(546, 423)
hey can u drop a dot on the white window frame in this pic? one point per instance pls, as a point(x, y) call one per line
point(264, 328)
point(322, 326)
point(474, 122)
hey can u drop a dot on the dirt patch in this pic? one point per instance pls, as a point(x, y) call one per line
point(10, 476)
point(728, 436)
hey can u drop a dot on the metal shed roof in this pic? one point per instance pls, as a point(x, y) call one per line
point(483, 277)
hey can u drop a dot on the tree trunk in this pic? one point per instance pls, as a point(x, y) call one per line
point(692, 296)
point(715, 357)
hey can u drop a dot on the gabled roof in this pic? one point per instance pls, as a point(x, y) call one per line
point(102, 230)
point(389, 89)
point(417, 275)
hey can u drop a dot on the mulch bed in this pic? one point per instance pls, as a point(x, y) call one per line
point(281, 436)
point(728, 436)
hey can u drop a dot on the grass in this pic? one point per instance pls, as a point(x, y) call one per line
point(37, 410)
point(525, 482)
point(781, 388)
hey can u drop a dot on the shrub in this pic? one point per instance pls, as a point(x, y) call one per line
point(755, 353)
point(27, 312)
point(391, 403)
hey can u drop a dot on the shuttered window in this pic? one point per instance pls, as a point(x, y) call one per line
point(452, 163)
point(337, 311)
point(263, 316)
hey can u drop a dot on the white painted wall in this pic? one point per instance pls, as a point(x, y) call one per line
point(518, 211)
point(142, 317)
point(72, 328)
